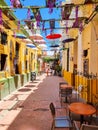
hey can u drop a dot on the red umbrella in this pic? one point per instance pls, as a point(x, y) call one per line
point(53, 36)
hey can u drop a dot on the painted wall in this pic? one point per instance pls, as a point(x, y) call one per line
point(10, 79)
point(94, 48)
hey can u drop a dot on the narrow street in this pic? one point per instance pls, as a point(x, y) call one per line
point(28, 107)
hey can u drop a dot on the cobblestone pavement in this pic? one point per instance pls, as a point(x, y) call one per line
point(28, 107)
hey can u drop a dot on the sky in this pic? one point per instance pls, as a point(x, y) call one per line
point(22, 14)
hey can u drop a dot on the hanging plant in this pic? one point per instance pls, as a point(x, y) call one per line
point(17, 2)
point(52, 23)
point(32, 27)
point(62, 13)
point(62, 10)
point(52, 26)
point(77, 8)
point(80, 27)
point(18, 27)
point(43, 25)
point(38, 20)
point(66, 26)
point(14, 33)
point(12, 3)
point(1, 17)
point(51, 30)
point(51, 5)
point(45, 32)
point(76, 21)
point(28, 14)
point(32, 24)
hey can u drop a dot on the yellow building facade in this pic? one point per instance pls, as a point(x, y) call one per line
point(17, 60)
point(80, 59)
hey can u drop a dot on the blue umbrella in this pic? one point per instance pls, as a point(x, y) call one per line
point(21, 36)
point(31, 45)
point(68, 40)
point(54, 46)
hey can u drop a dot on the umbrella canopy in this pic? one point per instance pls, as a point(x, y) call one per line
point(36, 37)
point(40, 41)
point(31, 45)
point(63, 48)
point(68, 40)
point(54, 46)
point(42, 46)
point(21, 36)
point(53, 36)
point(27, 40)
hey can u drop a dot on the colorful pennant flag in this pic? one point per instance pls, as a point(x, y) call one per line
point(1, 17)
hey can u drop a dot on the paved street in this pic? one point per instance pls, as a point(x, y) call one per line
point(28, 107)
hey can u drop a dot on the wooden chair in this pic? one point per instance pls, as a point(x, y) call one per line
point(95, 117)
point(77, 117)
point(88, 127)
point(66, 94)
point(85, 127)
point(61, 121)
point(61, 83)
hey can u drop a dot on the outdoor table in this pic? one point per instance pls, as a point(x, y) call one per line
point(82, 109)
point(64, 86)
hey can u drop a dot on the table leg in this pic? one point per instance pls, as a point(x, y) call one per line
point(66, 101)
point(82, 119)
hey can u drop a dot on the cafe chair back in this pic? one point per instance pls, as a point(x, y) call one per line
point(77, 117)
point(60, 84)
point(88, 127)
point(66, 94)
point(84, 126)
point(95, 117)
point(59, 121)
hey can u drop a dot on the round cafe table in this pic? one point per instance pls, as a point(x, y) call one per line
point(82, 109)
point(64, 86)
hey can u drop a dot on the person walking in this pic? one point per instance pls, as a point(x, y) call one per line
point(47, 71)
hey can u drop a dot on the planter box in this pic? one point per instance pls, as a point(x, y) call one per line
point(4, 89)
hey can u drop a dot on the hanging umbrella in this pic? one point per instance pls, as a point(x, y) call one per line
point(63, 48)
point(54, 46)
point(36, 37)
point(68, 40)
point(55, 49)
point(53, 36)
point(31, 45)
point(21, 36)
point(27, 40)
point(42, 46)
point(40, 41)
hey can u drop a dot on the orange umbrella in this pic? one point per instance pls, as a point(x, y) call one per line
point(36, 37)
